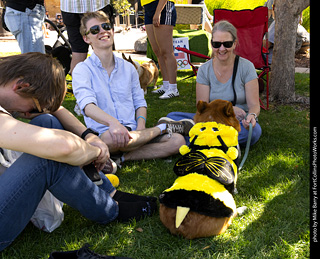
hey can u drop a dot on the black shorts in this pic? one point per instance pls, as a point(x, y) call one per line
point(168, 14)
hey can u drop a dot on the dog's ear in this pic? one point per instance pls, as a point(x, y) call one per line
point(232, 120)
point(228, 110)
point(130, 59)
point(123, 56)
point(201, 106)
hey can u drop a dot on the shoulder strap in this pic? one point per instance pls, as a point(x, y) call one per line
point(235, 68)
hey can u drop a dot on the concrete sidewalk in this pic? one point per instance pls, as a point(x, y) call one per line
point(305, 70)
point(124, 42)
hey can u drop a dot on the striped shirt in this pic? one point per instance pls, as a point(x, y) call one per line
point(144, 2)
point(82, 6)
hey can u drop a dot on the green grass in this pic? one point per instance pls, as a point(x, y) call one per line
point(273, 184)
point(5, 54)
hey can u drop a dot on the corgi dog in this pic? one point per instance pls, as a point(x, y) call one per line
point(148, 72)
point(200, 202)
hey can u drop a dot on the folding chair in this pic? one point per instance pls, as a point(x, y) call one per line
point(194, 66)
point(252, 26)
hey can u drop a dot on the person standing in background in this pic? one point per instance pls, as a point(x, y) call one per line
point(160, 18)
point(25, 19)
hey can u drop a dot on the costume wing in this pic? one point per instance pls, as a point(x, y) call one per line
point(217, 168)
point(190, 163)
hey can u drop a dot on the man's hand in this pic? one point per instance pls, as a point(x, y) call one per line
point(104, 154)
point(120, 135)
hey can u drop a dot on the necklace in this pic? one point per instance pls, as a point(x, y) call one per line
point(215, 69)
point(218, 72)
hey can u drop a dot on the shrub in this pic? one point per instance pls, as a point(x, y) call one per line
point(232, 4)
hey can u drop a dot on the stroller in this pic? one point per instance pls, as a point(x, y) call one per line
point(60, 50)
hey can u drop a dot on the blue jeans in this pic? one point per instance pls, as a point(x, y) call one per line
point(23, 185)
point(243, 134)
point(27, 28)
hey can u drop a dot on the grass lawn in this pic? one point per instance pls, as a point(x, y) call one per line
point(273, 184)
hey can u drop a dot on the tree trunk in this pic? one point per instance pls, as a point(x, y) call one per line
point(287, 14)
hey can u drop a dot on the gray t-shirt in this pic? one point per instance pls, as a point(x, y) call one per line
point(245, 73)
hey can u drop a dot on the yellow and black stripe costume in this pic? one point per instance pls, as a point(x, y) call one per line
point(207, 171)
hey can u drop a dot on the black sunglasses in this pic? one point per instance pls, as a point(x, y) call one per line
point(96, 28)
point(226, 44)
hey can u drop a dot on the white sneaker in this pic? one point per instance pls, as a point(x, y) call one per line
point(160, 90)
point(170, 94)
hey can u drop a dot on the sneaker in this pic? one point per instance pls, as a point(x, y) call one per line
point(91, 171)
point(83, 252)
point(170, 94)
point(110, 167)
point(160, 90)
point(183, 126)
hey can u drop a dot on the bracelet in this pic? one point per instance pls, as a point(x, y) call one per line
point(255, 115)
point(87, 131)
point(142, 118)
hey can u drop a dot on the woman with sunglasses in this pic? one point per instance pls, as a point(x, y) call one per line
point(214, 80)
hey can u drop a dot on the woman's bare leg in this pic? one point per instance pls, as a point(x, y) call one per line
point(159, 38)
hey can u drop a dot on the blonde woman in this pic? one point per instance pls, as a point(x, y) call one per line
point(214, 80)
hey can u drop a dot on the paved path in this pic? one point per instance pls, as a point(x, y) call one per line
point(124, 41)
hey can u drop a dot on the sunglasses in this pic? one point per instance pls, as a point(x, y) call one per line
point(96, 28)
point(39, 109)
point(226, 44)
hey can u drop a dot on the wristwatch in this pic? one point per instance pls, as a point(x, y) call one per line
point(87, 131)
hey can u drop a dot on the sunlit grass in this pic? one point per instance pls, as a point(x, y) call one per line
point(273, 184)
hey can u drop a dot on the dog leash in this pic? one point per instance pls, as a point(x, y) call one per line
point(247, 147)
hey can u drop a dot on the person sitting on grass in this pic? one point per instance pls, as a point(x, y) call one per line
point(214, 81)
point(109, 95)
point(33, 85)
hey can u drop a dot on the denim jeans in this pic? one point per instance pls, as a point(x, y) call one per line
point(27, 28)
point(243, 134)
point(24, 183)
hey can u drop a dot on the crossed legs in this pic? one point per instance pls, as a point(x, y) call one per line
point(143, 144)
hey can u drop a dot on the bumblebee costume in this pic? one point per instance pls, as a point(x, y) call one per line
point(207, 172)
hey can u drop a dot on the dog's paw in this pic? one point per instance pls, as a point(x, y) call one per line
point(241, 210)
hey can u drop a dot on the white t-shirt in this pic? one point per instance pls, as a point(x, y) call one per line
point(7, 157)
